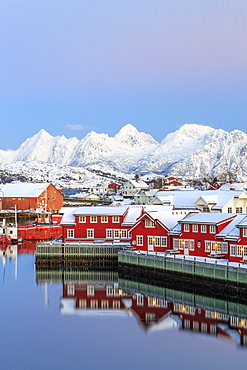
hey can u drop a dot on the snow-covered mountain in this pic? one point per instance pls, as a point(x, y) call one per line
point(192, 151)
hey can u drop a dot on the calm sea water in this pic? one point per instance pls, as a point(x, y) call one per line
point(40, 331)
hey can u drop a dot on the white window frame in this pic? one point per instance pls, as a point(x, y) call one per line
point(203, 229)
point(139, 240)
point(104, 219)
point(115, 219)
point(90, 290)
point(93, 219)
point(123, 234)
point(163, 241)
point(109, 233)
point(82, 219)
point(149, 223)
point(70, 233)
point(186, 228)
point(239, 209)
point(212, 229)
point(195, 228)
point(90, 233)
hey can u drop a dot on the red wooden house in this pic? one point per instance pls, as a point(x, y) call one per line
point(152, 228)
point(201, 234)
point(237, 240)
point(114, 186)
point(41, 196)
point(90, 223)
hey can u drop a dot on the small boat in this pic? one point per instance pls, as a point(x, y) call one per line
point(8, 233)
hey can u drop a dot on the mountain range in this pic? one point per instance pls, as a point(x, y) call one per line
point(192, 151)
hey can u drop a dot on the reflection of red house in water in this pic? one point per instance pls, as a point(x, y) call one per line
point(152, 313)
point(93, 296)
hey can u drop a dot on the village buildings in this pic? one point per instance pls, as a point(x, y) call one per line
point(42, 197)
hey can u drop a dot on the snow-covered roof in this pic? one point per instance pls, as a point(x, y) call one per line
point(243, 222)
point(68, 215)
point(206, 218)
point(102, 210)
point(187, 199)
point(179, 199)
point(231, 231)
point(149, 193)
point(235, 186)
point(27, 190)
point(133, 213)
point(207, 199)
point(139, 184)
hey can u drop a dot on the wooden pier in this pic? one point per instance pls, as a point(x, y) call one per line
point(77, 254)
point(221, 271)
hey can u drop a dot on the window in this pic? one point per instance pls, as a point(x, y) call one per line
point(108, 233)
point(123, 233)
point(196, 326)
point(163, 241)
point(90, 233)
point(212, 229)
point(104, 219)
point(139, 300)
point(175, 243)
point(233, 250)
point(195, 228)
point(207, 246)
point(116, 305)
point(216, 247)
point(205, 209)
point(187, 324)
point(149, 223)
point(94, 304)
point(71, 290)
point(213, 329)
point(204, 327)
point(82, 303)
point(183, 244)
point(93, 219)
point(150, 317)
point(186, 227)
point(70, 233)
point(90, 290)
point(244, 232)
point(116, 233)
point(139, 240)
point(109, 290)
point(82, 219)
point(115, 219)
point(229, 209)
point(239, 209)
point(203, 229)
point(156, 241)
point(104, 304)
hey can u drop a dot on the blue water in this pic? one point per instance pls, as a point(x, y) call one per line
point(36, 335)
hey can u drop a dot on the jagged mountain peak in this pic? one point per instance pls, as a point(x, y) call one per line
point(193, 129)
point(190, 151)
point(127, 129)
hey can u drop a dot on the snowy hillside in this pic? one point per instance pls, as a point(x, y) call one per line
point(192, 151)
